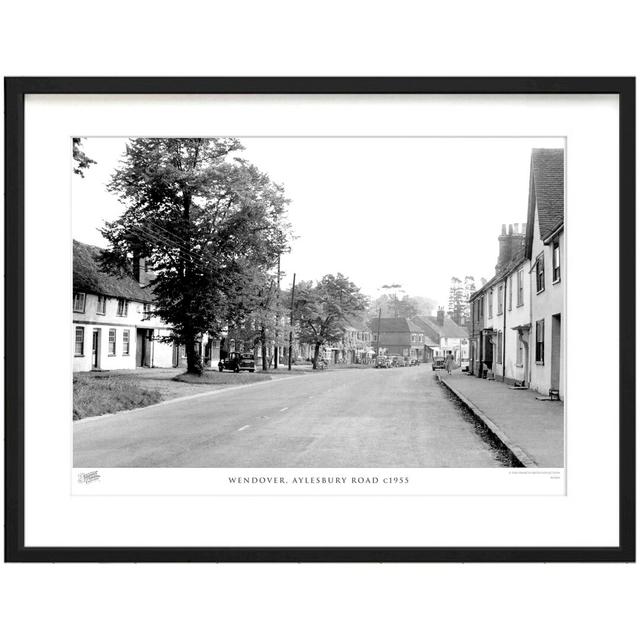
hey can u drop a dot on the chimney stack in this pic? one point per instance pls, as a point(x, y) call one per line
point(509, 243)
point(440, 316)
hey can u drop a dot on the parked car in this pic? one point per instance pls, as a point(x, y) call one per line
point(438, 363)
point(382, 362)
point(397, 360)
point(414, 362)
point(464, 364)
point(237, 362)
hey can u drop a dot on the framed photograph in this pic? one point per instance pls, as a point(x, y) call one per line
point(320, 319)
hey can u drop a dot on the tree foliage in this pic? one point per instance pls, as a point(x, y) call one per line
point(324, 309)
point(81, 160)
point(207, 224)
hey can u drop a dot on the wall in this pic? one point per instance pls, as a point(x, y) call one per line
point(543, 306)
point(90, 319)
point(517, 316)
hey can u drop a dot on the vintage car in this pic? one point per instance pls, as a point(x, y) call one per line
point(397, 360)
point(438, 363)
point(237, 362)
point(382, 362)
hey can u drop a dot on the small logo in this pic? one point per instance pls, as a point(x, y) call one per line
point(88, 477)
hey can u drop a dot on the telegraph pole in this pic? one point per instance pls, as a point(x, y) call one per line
point(293, 291)
point(277, 347)
point(378, 341)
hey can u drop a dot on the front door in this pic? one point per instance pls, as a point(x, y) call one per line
point(556, 350)
point(95, 349)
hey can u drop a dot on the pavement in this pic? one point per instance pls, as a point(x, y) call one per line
point(531, 429)
point(349, 418)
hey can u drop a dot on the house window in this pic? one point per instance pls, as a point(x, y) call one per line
point(102, 305)
point(556, 260)
point(510, 294)
point(499, 349)
point(112, 342)
point(490, 304)
point(520, 287)
point(481, 307)
point(79, 349)
point(123, 307)
point(540, 341)
point(500, 299)
point(146, 309)
point(540, 273)
point(78, 302)
point(125, 342)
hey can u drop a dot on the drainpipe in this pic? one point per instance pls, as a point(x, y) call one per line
point(504, 331)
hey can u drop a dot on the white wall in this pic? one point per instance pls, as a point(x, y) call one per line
point(543, 306)
point(90, 320)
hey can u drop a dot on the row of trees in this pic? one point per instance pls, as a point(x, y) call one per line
point(212, 227)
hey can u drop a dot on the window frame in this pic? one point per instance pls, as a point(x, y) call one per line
point(520, 288)
point(500, 300)
point(126, 344)
point(555, 245)
point(75, 348)
point(84, 301)
point(510, 293)
point(102, 299)
point(490, 304)
point(539, 350)
point(540, 274)
point(111, 353)
point(499, 348)
point(125, 307)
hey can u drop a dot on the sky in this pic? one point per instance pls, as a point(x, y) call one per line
point(412, 211)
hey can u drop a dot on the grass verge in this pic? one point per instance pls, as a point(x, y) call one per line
point(93, 396)
point(215, 377)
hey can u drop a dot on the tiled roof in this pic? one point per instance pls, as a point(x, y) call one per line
point(89, 278)
point(449, 328)
point(394, 325)
point(547, 182)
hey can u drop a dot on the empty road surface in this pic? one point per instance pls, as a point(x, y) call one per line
point(343, 418)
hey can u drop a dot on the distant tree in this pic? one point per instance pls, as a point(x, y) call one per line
point(80, 159)
point(324, 310)
point(207, 225)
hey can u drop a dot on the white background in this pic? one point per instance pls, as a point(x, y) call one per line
point(320, 601)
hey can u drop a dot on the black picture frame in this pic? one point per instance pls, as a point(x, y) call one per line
point(15, 91)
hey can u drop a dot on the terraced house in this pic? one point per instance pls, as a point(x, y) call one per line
point(113, 322)
point(516, 317)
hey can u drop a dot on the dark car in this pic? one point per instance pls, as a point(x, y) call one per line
point(397, 360)
point(438, 363)
point(382, 362)
point(415, 362)
point(237, 362)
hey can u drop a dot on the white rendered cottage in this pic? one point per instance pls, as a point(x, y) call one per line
point(113, 322)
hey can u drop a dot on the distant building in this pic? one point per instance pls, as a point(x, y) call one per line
point(113, 322)
point(444, 335)
point(399, 336)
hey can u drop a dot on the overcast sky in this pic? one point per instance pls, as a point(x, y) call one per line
point(413, 211)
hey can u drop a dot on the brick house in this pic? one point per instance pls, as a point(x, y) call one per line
point(399, 336)
point(443, 336)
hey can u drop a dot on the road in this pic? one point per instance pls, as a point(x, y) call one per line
point(343, 418)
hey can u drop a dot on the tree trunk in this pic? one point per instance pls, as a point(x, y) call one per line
point(316, 353)
point(194, 364)
point(263, 346)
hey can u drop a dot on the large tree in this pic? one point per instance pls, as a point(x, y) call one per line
point(205, 222)
point(324, 310)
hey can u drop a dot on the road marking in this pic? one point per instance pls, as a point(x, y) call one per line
point(283, 409)
point(246, 426)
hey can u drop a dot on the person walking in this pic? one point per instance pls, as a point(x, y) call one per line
point(449, 363)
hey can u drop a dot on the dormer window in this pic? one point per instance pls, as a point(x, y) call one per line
point(79, 300)
point(123, 307)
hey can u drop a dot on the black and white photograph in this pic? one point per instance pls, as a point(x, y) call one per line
point(318, 303)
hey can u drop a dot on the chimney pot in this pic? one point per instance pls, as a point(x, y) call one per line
point(504, 229)
point(510, 229)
